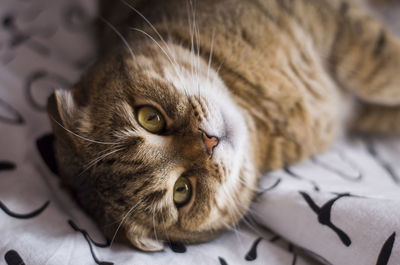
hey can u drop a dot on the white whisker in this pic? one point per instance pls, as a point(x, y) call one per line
point(194, 37)
point(147, 21)
point(191, 40)
point(154, 225)
point(174, 64)
point(79, 136)
point(165, 230)
point(232, 213)
point(169, 54)
point(250, 187)
point(120, 36)
point(219, 67)
point(211, 54)
point(122, 221)
point(98, 159)
point(159, 46)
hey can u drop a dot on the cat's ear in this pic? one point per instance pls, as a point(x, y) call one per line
point(146, 244)
point(62, 112)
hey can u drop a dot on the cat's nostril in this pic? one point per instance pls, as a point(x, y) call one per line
point(210, 142)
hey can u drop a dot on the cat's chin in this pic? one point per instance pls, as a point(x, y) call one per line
point(148, 244)
point(145, 243)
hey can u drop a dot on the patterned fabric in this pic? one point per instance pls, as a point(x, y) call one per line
point(341, 207)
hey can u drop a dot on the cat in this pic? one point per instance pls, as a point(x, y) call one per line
point(165, 137)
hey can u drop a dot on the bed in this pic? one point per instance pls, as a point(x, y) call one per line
point(341, 207)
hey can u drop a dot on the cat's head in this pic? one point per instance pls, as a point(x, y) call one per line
point(155, 146)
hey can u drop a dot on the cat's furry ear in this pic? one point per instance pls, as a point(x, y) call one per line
point(63, 113)
point(145, 243)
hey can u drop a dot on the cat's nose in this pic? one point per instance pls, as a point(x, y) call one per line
point(210, 142)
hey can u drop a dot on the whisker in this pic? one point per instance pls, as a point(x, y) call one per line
point(244, 220)
point(165, 230)
point(147, 21)
point(170, 53)
point(174, 64)
point(211, 54)
point(219, 67)
point(98, 159)
point(81, 137)
point(159, 46)
point(120, 36)
point(194, 36)
point(122, 221)
point(197, 30)
point(154, 225)
point(191, 39)
point(235, 207)
point(250, 187)
point(232, 214)
point(197, 40)
point(228, 226)
point(251, 223)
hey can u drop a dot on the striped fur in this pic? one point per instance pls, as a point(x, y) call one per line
point(275, 80)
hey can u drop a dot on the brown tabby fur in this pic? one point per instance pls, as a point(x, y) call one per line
point(295, 69)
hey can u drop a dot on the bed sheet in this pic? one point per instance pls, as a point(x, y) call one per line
point(341, 207)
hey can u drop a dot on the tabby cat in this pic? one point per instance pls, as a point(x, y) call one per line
point(165, 137)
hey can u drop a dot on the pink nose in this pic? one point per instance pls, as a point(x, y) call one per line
point(210, 142)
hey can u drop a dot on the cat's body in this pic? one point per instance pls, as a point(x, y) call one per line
point(245, 87)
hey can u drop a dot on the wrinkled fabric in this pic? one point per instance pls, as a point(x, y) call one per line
point(341, 207)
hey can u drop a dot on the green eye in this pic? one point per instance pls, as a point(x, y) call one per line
point(150, 119)
point(182, 191)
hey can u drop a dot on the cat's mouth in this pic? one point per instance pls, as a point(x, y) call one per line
point(232, 130)
point(225, 121)
point(233, 136)
point(228, 133)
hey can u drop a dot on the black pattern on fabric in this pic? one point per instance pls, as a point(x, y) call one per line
point(6, 165)
point(294, 261)
point(339, 171)
point(42, 83)
point(90, 241)
point(13, 258)
point(252, 253)
point(26, 215)
point(324, 214)
point(291, 249)
point(18, 37)
point(74, 19)
point(386, 251)
point(8, 114)
point(275, 238)
point(317, 257)
point(289, 171)
point(391, 172)
point(222, 261)
point(272, 187)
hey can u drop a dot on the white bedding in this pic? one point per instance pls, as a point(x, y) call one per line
point(342, 207)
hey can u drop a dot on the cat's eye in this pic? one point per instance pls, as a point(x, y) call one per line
point(182, 191)
point(150, 119)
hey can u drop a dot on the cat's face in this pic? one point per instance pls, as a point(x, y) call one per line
point(172, 159)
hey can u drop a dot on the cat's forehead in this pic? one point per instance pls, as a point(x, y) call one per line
point(145, 90)
point(136, 82)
